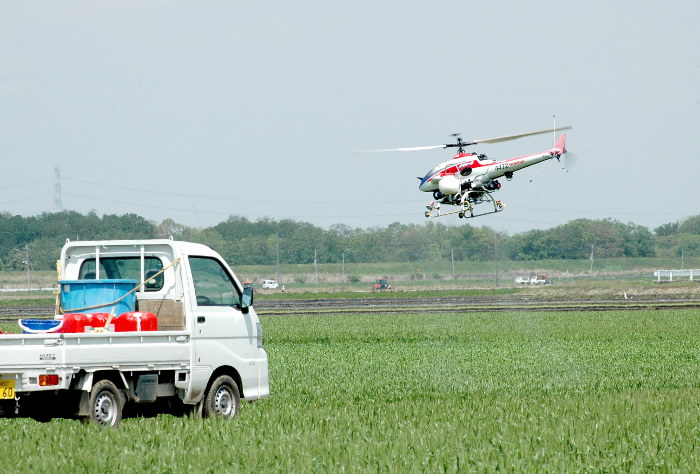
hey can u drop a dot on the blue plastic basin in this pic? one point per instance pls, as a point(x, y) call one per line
point(39, 326)
point(97, 296)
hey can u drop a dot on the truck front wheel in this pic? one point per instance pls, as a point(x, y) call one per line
point(222, 399)
point(106, 404)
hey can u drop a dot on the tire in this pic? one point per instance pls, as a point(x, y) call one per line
point(106, 404)
point(223, 400)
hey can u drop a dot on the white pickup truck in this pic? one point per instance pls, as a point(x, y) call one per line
point(206, 352)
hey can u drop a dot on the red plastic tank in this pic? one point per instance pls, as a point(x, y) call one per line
point(98, 320)
point(136, 321)
point(74, 322)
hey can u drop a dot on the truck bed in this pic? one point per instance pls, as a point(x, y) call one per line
point(146, 350)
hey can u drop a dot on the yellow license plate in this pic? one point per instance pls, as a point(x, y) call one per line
point(7, 389)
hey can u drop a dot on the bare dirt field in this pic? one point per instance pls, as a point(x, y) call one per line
point(601, 294)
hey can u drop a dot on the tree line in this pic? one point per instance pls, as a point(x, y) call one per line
point(266, 241)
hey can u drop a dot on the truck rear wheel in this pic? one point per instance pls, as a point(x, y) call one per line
point(222, 399)
point(106, 404)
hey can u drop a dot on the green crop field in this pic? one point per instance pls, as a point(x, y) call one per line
point(525, 391)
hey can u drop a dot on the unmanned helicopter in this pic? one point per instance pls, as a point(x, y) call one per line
point(469, 179)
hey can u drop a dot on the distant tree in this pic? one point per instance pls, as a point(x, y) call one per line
point(415, 242)
point(691, 225)
point(237, 227)
point(44, 252)
point(242, 241)
point(342, 231)
point(208, 237)
point(638, 241)
point(476, 243)
point(127, 226)
point(532, 245)
point(578, 238)
point(667, 229)
point(169, 228)
point(688, 245)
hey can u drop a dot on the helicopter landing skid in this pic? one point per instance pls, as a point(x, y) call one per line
point(466, 209)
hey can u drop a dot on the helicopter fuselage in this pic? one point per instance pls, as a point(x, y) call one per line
point(451, 176)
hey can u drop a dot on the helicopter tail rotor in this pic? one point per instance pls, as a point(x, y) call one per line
point(566, 160)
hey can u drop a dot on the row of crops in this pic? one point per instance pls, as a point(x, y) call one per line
point(613, 391)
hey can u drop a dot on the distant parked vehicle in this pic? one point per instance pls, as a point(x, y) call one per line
point(382, 284)
point(270, 284)
point(535, 280)
point(540, 280)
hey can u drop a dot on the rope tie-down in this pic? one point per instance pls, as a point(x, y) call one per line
point(136, 288)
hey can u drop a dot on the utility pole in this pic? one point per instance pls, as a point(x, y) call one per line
point(277, 245)
point(495, 255)
point(27, 263)
point(682, 263)
point(315, 266)
point(591, 259)
point(453, 264)
point(29, 268)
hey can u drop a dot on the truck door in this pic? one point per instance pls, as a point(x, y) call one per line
point(222, 334)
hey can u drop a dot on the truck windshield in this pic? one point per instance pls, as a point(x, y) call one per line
point(120, 268)
point(212, 283)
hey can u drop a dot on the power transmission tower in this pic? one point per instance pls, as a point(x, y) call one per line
point(57, 202)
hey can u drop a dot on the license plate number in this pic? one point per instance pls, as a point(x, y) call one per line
point(7, 389)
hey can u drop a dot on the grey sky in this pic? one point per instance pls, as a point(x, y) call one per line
point(197, 110)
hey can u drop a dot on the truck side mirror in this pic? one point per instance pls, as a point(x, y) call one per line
point(247, 299)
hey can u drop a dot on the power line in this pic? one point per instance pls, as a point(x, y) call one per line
point(603, 213)
point(192, 210)
point(36, 196)
point(222, 198)
point(23, 184)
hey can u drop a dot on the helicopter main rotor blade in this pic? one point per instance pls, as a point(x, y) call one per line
point(415, 148)
point(461, 143)
point(520, 135)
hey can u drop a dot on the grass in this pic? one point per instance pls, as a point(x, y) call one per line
point(466, 268)
point(557, 392)
point(24, 299)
